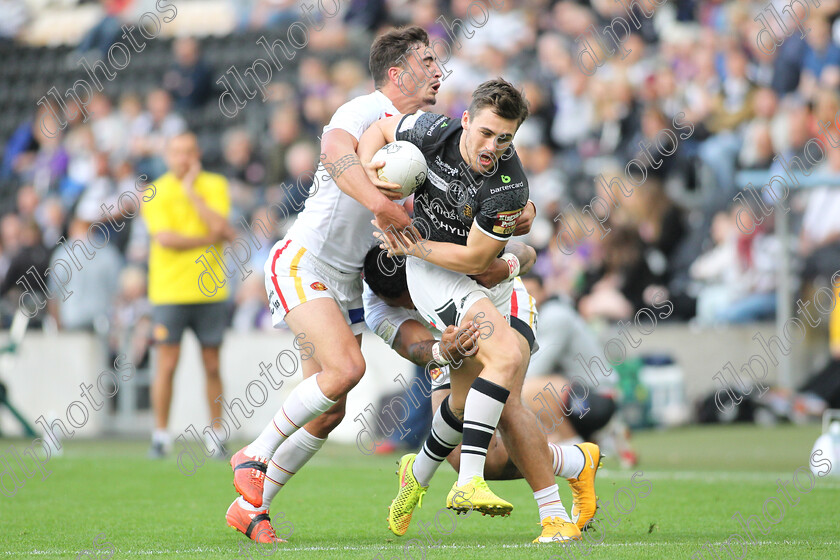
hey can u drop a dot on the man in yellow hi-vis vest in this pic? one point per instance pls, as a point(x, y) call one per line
point(186, 217)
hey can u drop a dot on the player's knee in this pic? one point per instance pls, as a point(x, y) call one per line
point(508, 356)
point(350, 371)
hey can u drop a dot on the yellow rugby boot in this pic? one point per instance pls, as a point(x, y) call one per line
point(409, 496)
point(477, 495)
point(583, 487)
point(555, 529)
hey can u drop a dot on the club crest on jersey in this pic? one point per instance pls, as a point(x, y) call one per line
point(435, 373)
point(318, 286)
point(506, 221)
point(468, 211)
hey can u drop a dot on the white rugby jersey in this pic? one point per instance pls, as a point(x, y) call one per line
point(385, 320)
point(333, 226)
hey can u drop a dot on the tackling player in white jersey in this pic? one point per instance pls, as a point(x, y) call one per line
point(314, 284)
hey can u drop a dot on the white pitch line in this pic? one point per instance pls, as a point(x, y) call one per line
point(383, 547)
point(716, 476)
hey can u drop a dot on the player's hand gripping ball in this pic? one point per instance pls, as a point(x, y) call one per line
point(404, 165)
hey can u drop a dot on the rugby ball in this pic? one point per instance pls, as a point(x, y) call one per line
point(405, 165)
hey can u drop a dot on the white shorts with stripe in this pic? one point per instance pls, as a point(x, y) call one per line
point(522, 306)
point(443, 297)
point(294, 276)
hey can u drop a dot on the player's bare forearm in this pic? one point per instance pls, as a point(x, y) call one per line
point(421, 352)
point(499, 271)
point(526, 254)
point(473, 258)
point(458, 258)
point(377, 135)
point(414, 342)
point(341, 162)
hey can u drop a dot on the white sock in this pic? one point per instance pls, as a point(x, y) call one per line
point(162, 437)
point(567, 460)
point(306, 402)
point(445, 436)
point(482, 410)
point(548, 500)
point(248, 507)
point(288, 459)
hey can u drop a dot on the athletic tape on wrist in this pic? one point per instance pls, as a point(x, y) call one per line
point(437, 355)
point(513, 264)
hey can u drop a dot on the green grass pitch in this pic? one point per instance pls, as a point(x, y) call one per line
point(697, 479)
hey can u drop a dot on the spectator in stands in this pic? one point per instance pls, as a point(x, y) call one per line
point(730, 109)
point(187, 215)
point(252, 306)
point(652, 122)
point(284, 128)
point(819, 239)
point(660, 223)
point(131, 320)
point(757, 150)
point(189, 80)
point(15, 18)
point(244, 168)
point(301, 160)
point(737, 275)
point(108, 126)
point(31, 258)
point(93, 288)
point(821, 60)
point(32, 156)
point(106, 32)
point(242, 164)
point(615, 289)
point(51, 219)
point(10, 226)
point(152, 130)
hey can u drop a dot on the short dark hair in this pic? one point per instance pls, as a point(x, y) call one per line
point(502, 98)
point(377, 267)
point(390, 48)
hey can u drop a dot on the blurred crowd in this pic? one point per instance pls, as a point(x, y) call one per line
point(696, 62)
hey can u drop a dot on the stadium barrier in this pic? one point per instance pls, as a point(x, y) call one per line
point(738, 388)
point(57, 363)
point(197, 456)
